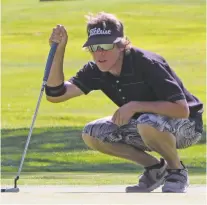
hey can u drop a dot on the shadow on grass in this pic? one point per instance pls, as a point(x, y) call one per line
point(50, 150)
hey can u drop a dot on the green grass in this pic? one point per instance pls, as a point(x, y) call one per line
point(174, 29)
point(62, 149)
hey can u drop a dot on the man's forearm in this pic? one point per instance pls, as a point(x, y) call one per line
point(165, 108)
point(56, 76)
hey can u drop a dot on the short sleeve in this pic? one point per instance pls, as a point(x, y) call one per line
point(87, 78)
point(163, 81)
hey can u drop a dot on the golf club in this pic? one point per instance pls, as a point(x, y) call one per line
point(46, 75)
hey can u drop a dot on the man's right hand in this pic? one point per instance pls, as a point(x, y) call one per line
point(59, 35)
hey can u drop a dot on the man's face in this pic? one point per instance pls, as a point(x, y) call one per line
point(106, 59)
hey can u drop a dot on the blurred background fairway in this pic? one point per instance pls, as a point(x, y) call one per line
point(175, 29)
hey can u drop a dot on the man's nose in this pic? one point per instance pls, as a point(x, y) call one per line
point(101, 51)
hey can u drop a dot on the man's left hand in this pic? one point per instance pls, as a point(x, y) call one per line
point(123, 114)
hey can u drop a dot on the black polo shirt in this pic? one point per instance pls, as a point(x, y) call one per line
point(145, 76)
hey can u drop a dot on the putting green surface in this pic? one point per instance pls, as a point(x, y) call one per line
point(101, 195)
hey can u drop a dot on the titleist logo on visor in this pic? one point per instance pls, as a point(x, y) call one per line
point(98, 31)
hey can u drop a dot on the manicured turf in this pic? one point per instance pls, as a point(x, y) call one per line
point(174, 29)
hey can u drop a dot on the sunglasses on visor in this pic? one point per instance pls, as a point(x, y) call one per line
point(104, 47)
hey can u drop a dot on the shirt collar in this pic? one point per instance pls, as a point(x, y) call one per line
point(127, 66)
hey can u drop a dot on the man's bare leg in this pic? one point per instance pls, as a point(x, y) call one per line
point(155, 171)
point(120, 150)
point(163, 143)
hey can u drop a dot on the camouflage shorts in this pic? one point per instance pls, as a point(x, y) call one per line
point(186, 131)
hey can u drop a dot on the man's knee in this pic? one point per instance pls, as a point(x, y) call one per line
point(94, 132)
point(148, 124)
point(99, 127)
point(89, 140)
point(146, 130)
point(87, 130)
point(146, 133)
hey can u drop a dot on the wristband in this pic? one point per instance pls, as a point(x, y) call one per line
point(55, 91)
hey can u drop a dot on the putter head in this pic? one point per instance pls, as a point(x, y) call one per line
point(15, 190)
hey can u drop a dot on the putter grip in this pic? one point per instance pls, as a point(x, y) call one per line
point(49, 61)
